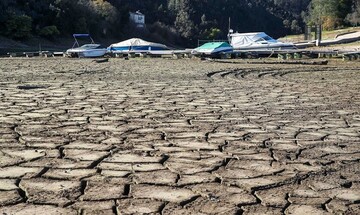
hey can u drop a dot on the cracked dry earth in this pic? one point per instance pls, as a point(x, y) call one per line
point(161, 136)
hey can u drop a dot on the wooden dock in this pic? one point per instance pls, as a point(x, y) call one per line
point(246, 54)
point(298, 54)
point(36, 54)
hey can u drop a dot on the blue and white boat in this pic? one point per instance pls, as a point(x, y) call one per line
point(213, 49)
point(136, 45)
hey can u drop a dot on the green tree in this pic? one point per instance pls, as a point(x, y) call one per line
point(295, 26)
point(7, 10)
point(183, 22)
point(107, 16)
point(354, 17)
point(19, 27)
point(344, 8)
point(49, 31)
point(3, 10)
point(72, 16)
point(323, 12)
point(212, 34)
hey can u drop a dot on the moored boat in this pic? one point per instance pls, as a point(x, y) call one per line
point(88, 50)
point(213, 49)
point(256, 41)
point(136, 45)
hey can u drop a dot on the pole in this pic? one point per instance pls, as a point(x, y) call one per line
point(229, 23)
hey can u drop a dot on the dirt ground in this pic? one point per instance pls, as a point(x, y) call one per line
point(163, 136)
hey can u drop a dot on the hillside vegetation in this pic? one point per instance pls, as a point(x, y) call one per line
point(176, 21)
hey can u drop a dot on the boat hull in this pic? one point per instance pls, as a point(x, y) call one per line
point(212, 52)
point(91, 53)
point(137, 49)
point(282, 46)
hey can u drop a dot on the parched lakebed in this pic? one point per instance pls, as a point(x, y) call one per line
point(163, 136)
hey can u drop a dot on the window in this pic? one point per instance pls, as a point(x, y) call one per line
point(267, 38)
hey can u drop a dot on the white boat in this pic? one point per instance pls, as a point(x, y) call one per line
point(256, 41)
point(136, 45)
point(213, 49)
point(88, 50)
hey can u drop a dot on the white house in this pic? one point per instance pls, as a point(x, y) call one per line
point(138, 19)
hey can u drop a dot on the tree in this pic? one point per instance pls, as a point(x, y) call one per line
point(203, 20)
point(212, 34)
point(188, 19)
point(323, 12)
point(7, 10)
point(3, 10)
point(19, 27)
point(183, 22)
point(49, 31)
point(106, 14)
point(295, 26)
point(354, 16)
point(344, 8)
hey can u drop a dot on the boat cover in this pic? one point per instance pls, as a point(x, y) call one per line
point(254, 40)
point(213, 48)
point(136, 44)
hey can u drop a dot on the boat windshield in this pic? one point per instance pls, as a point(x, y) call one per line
point(266, 38)
point(90, 46)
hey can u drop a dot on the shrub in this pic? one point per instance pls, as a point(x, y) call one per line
point(211, 34)
point(49, 31)
point(330, 23)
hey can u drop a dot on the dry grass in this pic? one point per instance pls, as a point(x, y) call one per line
point(326, 34)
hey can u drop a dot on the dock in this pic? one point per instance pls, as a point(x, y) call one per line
point(298, 54)
point(35, 54)
point(290, 54)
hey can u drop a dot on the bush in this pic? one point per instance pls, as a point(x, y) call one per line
point(330, 23)
point(19, 27)
point(211, 34)
point(49, 31)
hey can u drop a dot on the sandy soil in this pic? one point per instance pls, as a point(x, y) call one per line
point(161, 136)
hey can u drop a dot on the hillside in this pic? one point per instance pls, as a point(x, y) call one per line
point(174, 22)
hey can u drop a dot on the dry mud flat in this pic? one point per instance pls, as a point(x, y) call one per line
point(155, 136)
